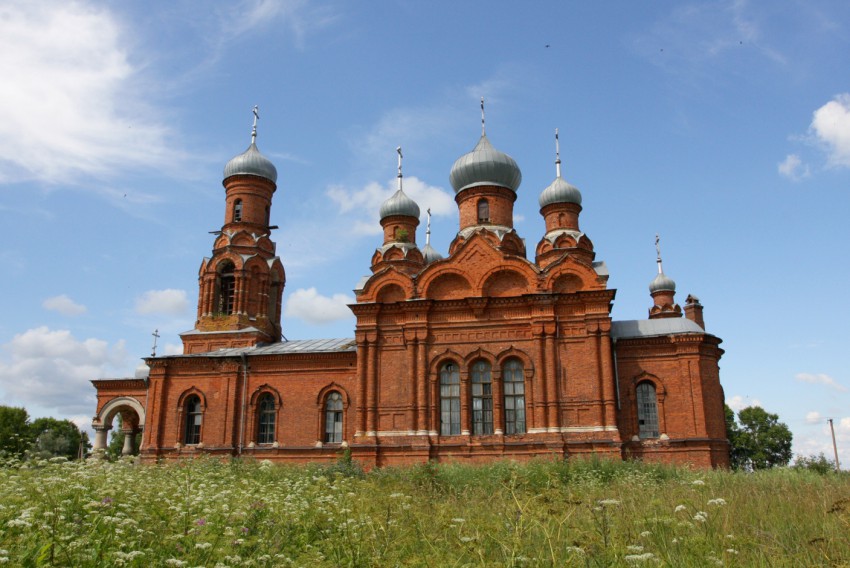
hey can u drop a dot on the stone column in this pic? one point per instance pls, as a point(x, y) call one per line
point(100, 438)
point(129, 442)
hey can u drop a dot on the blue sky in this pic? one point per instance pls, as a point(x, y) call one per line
point(723, 126)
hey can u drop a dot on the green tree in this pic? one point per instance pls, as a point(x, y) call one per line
point(53, 437)
point(758, 440)
point(15, 434)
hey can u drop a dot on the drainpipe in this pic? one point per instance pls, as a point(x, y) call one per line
point(616, 372)
point(244, 401)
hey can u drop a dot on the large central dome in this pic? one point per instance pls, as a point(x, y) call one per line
point(485, 166)
point(251, 162)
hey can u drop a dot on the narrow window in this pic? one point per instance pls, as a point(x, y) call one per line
point(266, 415)
point(483, 211)
point(237, 210)
point(647, 407)
point(482, 399)
point(226, 289)
point(194, 417)
point(268, 218)
point(333, 418)
point(449, 400)
point(514, 382)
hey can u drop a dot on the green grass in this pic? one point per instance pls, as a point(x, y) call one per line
point(544, 513)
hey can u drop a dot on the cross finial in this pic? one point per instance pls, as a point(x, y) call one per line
point(256, 111)
point(482, 117)
point(557, 155)
point(658, 251)
point(400, 157)
point(155, 337)
point(428, 229)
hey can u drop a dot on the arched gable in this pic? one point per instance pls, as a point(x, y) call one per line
point(390, 293)
point(449, 284)
point(379, 280)
point(480, 355)
point(243, 238)
point(569, 275)
point(504, 282)
point(181, 402)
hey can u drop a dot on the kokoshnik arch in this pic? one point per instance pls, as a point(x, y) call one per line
point(478, 355)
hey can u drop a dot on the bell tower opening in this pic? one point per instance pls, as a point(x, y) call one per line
point(226, 288)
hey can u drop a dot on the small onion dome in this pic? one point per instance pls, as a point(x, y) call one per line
point(251, 162)
point(430, 254)
point(399, 204)
point(662, 283)
point(143, 371)
point(560, 191)
point(485, 166)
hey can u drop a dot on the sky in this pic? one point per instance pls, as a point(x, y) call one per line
point(723, 126)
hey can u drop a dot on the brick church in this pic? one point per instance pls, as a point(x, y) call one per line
point(479, 355)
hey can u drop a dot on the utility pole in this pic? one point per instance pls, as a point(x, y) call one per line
point(834, 447)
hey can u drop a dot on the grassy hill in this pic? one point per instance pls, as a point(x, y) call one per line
point(543, 513)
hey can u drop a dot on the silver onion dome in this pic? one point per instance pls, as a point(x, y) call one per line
point(399, 204)
point(251, 162)
point(560, 191)
point(430, 254)
point(485, 166)
point(662, 283)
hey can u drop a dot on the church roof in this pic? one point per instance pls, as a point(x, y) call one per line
point(653, 327)
point(283, 347)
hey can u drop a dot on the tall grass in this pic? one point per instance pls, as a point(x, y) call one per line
point(543, 513)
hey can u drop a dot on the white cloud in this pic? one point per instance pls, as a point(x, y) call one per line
point(820, 379)
point(64, 305)
point(51, 369)
point(71, 102)
point(171, 349)
point(310, 306)
point(831, 128)
point(814, 417)
point(793, 168)
point(365, 203)
point(821, 442)
point(169, 302)
point(302, 18)
point(738, 402)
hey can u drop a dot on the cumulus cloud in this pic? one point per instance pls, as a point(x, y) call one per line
point(738, 402)
point(814, 417)
point(310, 306)
point(820, 379)
point(831, 128)
point(71, 101)
point(51, 369)
point(364, 203)
point(793, 168)
point(64, 305)
point(168, 302)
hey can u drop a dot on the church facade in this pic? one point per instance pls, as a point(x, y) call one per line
point(482, 354)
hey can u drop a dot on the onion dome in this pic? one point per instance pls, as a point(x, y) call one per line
point(662, 283)
point(251, 162)
point(485, 166)
point(399, 204)
point(430, 254)
point(560, 191)
point(143, 371)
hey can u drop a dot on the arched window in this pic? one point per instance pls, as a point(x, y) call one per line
point(514, 383)
point(194, 416)
point(449, 400)
point(483, 211)
point(647, 410)
point(237, 210)
point(333, 418)
point(266, 415)
point(482, 399)
point(226, 288)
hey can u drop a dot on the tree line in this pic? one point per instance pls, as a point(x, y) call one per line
point(21, 437)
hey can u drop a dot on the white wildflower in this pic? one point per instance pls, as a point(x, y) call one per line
point(680, 508)
point(731, 551)
point(701, 517)
point(718, 502)
point(638, 558)
point(458, 520)
point(608, 502)
point(575, 549)
point(645, 534)
point(203, 545)
point(698, 482)
point(634, 548)
point(174, 562)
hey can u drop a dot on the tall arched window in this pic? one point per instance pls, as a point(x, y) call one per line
point(333, 418)
point(226, 288)
point(237, 210)
point(482, 399)
point(266, 415)
point(647, 410)
point(449, 400)
point(514, 383)
point(194, 416)
point(483, 211)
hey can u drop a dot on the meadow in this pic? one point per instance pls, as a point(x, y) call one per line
point(545, 513)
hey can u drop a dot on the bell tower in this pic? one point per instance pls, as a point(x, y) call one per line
point(241, 284)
